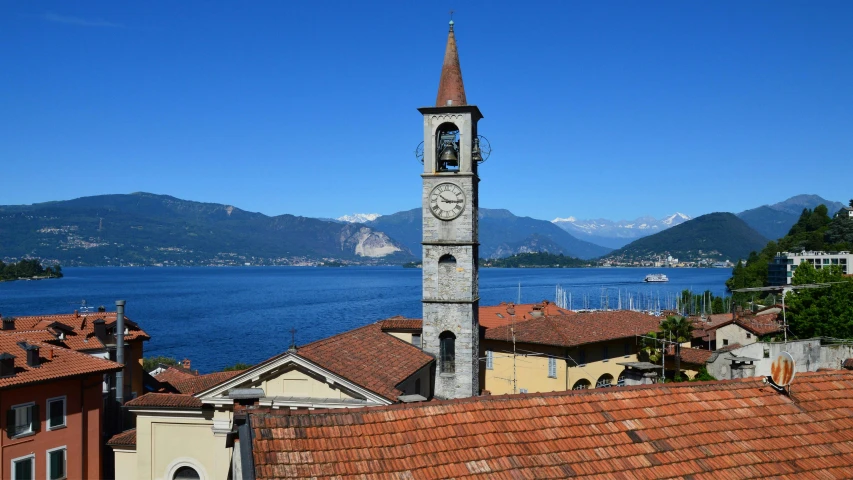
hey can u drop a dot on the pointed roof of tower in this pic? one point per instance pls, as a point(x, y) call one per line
point(451, 90)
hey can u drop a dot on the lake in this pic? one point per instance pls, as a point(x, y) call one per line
point(221, 316)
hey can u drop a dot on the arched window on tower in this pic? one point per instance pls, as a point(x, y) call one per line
point(447, 344)
point(447, 148)
point(446, 272)
point(186, 473)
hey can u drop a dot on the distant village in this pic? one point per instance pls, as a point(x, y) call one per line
point(530, 390)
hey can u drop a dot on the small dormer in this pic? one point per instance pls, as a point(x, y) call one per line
point(8, 323)
point(7, 365)
point(32, 351)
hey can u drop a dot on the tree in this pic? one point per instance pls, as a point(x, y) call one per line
point(151, 363)
point(820, 312)
point(680, 330)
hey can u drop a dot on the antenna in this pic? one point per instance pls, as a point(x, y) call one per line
point(292, 340)
point(519, 294)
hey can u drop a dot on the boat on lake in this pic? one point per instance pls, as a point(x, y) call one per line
point(656, 277)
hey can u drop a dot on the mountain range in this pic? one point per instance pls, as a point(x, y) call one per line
point(149, 229)
point(774, 221)
point(617, 234)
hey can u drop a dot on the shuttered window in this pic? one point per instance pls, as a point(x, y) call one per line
point(56, 464)
point(552, 367)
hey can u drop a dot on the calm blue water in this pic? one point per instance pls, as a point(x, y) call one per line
point(219, 316)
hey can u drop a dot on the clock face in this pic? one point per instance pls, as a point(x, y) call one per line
point(446, 201)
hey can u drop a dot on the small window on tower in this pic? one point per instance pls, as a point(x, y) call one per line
point(447, 148)
point(447, 354)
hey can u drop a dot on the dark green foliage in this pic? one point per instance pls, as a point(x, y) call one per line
point(840, 231)
point(723, 233)
point(703, 375)
point(28, 269)
point(820, 311)
point(150, 363)
point(536, 260)
point(237, 366)
point(690, 303)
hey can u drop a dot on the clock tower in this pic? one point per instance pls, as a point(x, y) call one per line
point(451, 153)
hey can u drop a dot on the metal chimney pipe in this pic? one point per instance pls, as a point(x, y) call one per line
point(120, 350)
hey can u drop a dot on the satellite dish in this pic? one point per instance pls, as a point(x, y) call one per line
point(782, 370)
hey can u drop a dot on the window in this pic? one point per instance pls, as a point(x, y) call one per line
point(23, 468)
point(416, 339)
point(447, 344)
point(605, 354)
point(22, 419)
point(490, 360)
point(552, 368)
point(55, 413)
point(748, 335)
point(581, 384)
point(725, 342)
point(186, 473)
point(604, 381)
point(56, 464)
point(522, 390)
point(417, 386)
point(582, 356)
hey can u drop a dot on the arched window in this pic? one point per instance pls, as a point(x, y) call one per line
point(581, 384)
point(447, 342)
point(446, 274)
point(186, 473)
point(621, 381)
point(447, 148)
point(604, 381)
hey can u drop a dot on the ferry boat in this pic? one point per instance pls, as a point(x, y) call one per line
point(656, 277)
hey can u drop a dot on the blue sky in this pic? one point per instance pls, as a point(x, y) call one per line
point(596, 109)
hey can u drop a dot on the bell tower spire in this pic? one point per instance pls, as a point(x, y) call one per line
point(450, 203)
point(451, 90)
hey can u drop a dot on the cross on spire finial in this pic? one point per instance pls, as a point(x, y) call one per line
point(451, 20)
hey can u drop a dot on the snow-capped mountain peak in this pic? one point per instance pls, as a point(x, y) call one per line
point(567, 219)
point(359, 217)
point(675, 219)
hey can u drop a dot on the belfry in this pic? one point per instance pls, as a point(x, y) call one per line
point(451, 153)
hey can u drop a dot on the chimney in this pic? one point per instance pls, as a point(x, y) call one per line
point(186, 363)
point(76, 313)
point(32, 354)
point(100, 330)
point(8, 323)
point(102, 309)
point(7, 365)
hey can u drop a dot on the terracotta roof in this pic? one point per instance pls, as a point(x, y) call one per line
point(848, 363)
point(80, 326)
point(702, 430)
point(165, 400)
point(193, 385)
point(728, 348)
point(174, 374)
point(369, 357)
point(399, 323)
point(695, 356)
point(578, 329)
point(500, 315)
point(54, 363)
point(126, 438)
point(762, 325)
point(450, 86)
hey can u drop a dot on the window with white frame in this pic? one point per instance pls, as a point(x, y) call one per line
point(22, 419)
point(55, 412)
point(24, 468)
point(56, 460)
point(552, 368)
point(490, 360)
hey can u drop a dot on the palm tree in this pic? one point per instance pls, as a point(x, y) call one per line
point(679, 330)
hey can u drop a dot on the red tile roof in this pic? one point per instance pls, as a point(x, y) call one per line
point(578, 329)
point(81, 325)
point(195, 384)
point(500, 315)
point(695, 356)
point(400, 323)
point(758, 325)
point(126, 438)
point(165, 400)
point(704, 430)
point(55, 363)
point(174, 374)
point(368, 357)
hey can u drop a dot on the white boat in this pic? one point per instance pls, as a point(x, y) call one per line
point(656, 277)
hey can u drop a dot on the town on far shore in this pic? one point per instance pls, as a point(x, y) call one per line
point(755, 385)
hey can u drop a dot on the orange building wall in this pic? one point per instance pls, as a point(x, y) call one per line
point(81, 436)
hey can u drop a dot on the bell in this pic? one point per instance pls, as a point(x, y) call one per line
point(475, 152)
point(448, 156)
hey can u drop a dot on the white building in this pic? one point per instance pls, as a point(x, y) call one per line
point(781, 271)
